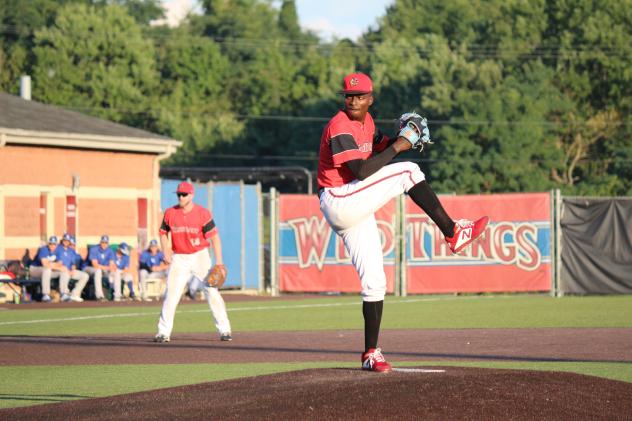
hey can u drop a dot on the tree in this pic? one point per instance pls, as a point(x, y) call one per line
point(524, 95)
point(288, 20)
point(193, 105)
point(143, 11)
point(18, 21)
point(592, 69)
point(486, 106)
point(97, 61)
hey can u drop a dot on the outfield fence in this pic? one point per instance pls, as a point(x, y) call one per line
point(535, 242)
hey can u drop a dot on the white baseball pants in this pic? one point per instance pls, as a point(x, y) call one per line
point(115, 281)
point(98, 279)
point(46, 274)
point(183, 268)
point(350, 210)
point(76, 275)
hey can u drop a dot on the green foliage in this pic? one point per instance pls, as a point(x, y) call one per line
point(95, 60)
point(521, 96)
point(143, 11)
point(193, 105)
point(18, 21)
point(288, 20)
point(592, 45)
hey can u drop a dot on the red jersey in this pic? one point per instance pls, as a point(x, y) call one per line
point(190, 231)
point(346, 140)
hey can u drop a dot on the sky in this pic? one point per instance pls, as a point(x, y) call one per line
point(328, 18)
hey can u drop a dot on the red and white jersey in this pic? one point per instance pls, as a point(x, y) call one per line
point(346, 140)
point(190, 231)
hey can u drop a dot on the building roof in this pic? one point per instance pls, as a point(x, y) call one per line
point(30, 122)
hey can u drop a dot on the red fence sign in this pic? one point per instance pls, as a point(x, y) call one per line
point(312, 258)
point(514, 256)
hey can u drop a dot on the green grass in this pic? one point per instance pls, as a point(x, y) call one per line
point(439, 312)
point(29, 385)
point(32, 385)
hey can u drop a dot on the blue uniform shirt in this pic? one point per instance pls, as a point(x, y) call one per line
point(43, 253)
point(148, 260)
point(104, 257)
point(122, 261)
point(79, 263)
point(65, 256)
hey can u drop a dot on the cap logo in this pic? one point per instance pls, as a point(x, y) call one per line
point(354, 81)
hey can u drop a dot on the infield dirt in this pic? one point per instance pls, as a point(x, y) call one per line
point(350, 394)
point(344, 393)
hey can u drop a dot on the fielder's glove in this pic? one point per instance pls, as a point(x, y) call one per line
point(216, 276)
point(414, 128)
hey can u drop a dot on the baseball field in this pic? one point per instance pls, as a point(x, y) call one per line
point(479, 356)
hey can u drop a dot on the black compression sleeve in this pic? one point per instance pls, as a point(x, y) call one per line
point(364, 168)
point(372, 312)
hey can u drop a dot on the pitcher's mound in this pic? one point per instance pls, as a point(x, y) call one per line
point(417, 393)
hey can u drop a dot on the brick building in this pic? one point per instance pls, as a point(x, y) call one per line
point(62, 171)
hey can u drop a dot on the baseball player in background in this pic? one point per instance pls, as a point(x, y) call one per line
point(67, 257)
point(152, 265)
point(355, 181)
point(101, 263)
point(46, 267)
point(123, 273)
point(191, 227)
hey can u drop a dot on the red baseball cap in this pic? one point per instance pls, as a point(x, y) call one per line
point(356, 83)
point(185, 187)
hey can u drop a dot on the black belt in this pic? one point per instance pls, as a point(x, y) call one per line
point(320, 191)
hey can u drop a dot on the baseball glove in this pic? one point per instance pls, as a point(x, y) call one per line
point(216, 276)
point(414, 128)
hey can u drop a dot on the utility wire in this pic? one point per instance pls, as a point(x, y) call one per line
point(324, 119)
point(574, 51)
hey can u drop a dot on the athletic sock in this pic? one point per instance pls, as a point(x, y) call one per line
point(426, 199)
point(372, 312)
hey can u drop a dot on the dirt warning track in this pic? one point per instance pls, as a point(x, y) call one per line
point(580, 345)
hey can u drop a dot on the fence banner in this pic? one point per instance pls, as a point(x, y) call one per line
point(515, 254)
point(312, 258)
point(596, 246)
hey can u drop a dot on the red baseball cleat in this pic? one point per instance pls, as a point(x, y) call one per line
point(465, 232)
point(373, 360)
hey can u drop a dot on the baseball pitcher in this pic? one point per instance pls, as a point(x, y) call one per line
point(355, 181)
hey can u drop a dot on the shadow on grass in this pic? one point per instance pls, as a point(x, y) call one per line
point(39, 398)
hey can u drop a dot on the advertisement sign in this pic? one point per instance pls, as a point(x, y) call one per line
point(514, 255)
point(312, 258)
